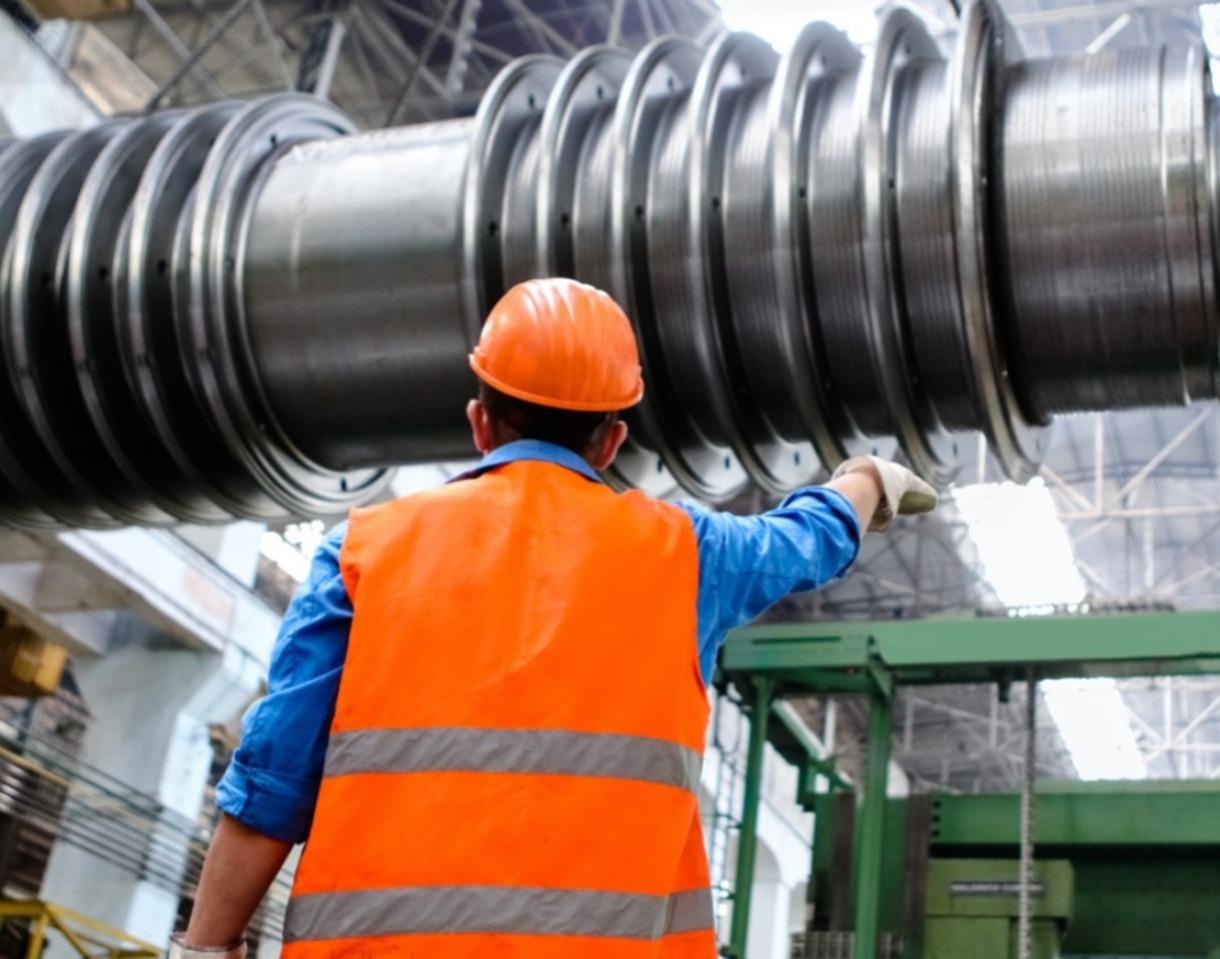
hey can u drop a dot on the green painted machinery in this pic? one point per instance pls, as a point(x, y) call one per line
point(1123, 869)
point(972, 907)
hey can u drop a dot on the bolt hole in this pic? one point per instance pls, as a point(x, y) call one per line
point(343, 483)
point(660, 465)
point(669, 83)
point(275, 140)
point(796, 458)
point(493, 228)
point(230, 262)
point(600, 93)
point(728, 463)
point(802, 193)
point(162, 268)
point(46, 280)
point(639, 212)
point(876, 452)
point(103, 273)
point(715, 203)
point(955, 447)
point(530, 100)
point(565, 220)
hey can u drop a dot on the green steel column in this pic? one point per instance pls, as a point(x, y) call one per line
point(870, 824)
point(747, 838)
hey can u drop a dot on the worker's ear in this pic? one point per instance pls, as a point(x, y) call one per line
point(480, 426)
point(607, 448)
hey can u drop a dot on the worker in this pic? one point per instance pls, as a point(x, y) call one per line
point(488, 702)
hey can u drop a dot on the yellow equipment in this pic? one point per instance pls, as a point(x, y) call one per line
point(90, 938)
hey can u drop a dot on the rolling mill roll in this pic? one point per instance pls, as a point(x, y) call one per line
point(255, 311)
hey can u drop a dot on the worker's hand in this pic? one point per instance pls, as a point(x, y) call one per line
point(902, 492)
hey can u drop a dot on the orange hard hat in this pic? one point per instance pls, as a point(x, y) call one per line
point(563, 344)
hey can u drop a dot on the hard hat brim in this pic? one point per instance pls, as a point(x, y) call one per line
point(575, 406)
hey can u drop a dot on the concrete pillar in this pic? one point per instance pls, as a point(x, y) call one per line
point(151, 711)
point(768, 937)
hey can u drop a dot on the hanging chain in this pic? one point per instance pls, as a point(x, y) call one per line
point(1026, 885)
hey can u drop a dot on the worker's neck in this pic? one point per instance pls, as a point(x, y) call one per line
point(507, 436)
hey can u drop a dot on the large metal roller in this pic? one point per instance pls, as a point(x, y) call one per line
point(255, 311)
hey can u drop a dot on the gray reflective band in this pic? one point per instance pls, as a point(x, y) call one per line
point(465, 749)
point(418, 910)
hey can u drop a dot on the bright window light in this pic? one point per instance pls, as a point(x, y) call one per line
point(1209, 14)
point(779, 21)
point(1096, 728)
point(1025, 551)
point(1028, 560)
point(293, 551)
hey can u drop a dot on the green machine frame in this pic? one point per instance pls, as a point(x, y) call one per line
point(767, 663)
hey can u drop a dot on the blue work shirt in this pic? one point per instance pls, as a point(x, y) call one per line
point(746, 564)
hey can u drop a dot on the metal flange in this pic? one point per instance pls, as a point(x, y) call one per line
point(103, 404)
point(903, 42)
point(151, 299)
point(52, 429)
point(663, 71)
point(224, 368)
point(23, 497)
point(984, 45)
point(778, 336)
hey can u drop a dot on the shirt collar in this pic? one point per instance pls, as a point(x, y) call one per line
point(537, 451)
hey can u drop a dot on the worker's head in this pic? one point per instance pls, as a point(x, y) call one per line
point(557, 361)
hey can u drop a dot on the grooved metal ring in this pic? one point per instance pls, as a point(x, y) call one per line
point(903, 39)
point(515, 98)
point(225, 369)
point(665, 67)
point(976, 76)
point(155, 324)
point(24, 497)
point(102, 205)
point(36, 361)
point(817, 51)
point(586, 90)
point(727, 86)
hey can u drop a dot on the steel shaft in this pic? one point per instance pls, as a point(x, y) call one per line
point(255, 311)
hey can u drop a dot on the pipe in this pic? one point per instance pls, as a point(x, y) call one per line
point(255, 311)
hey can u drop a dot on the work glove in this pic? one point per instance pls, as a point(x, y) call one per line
point(902, 492)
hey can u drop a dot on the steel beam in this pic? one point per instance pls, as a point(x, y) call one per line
point(762, 693)
point(940, 651)
point(869, 841)
point(1145, 814)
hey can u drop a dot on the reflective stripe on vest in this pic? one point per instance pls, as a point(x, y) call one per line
point(459, 749)
point(495, 909)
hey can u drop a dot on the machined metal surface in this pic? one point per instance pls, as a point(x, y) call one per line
point(256, 311)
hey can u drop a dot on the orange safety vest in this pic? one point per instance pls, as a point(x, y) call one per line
point(513, 763)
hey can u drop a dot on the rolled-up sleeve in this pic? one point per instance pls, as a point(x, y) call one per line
point(749, 563)
point(272, 782)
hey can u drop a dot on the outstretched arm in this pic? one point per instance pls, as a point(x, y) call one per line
point(269, 791)
point(748, 563)
point(239, 869)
